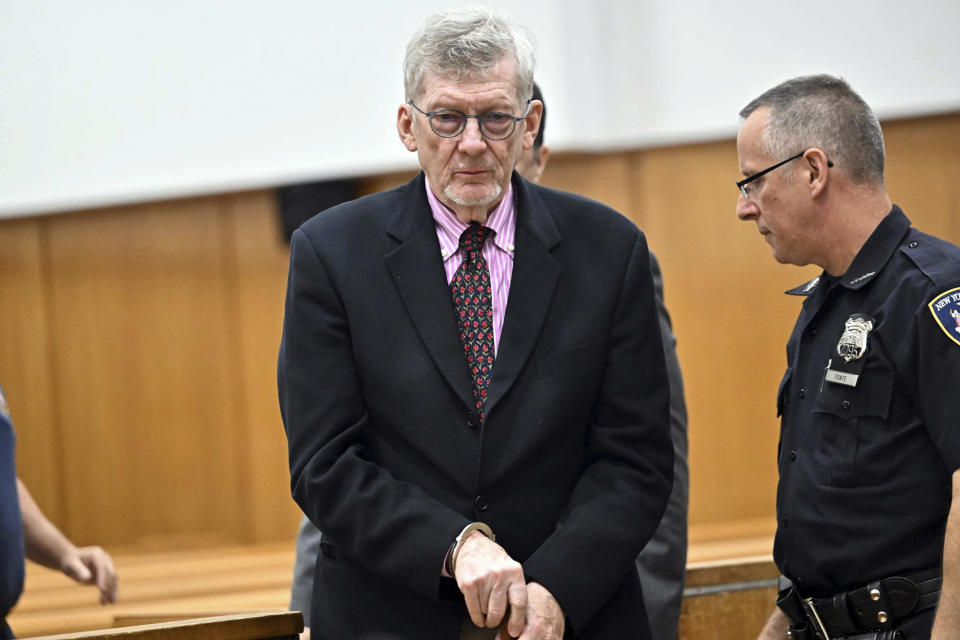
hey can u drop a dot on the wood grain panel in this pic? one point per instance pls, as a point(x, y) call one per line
point(25, 372)
point(374, 184)
point(923, 172)
point(138, 344)
point(725, 294)
point(603, 177)
point(731, 615)
point(149, 395)
point(259, 261)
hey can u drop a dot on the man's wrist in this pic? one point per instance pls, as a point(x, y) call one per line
point(458, 543)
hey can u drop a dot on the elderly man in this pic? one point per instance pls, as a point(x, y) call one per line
point(472, 378)
point(662, 563)
point(869, 447)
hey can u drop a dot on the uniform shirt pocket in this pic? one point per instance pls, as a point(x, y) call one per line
point(850, 422)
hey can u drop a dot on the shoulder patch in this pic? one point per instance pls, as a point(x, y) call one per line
point(945, 308)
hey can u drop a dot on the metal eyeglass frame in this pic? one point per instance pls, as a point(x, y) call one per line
point(742, 184)
point(479, 118)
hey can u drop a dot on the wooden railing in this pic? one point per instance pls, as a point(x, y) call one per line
point(247, 626)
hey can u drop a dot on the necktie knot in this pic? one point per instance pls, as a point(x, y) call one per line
point(474, 236)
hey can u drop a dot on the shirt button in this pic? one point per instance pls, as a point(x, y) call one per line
point(913, 245)
point(480, 503)
point(845, 405)
point(793, 455)
point(471, 421)
point(803, 393)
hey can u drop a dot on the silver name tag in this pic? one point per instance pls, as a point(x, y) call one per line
point(839, 377)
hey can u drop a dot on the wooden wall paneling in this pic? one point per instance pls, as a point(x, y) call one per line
point(923, 172)
point(725, 295)
point(727, 615)
point(25, 366)
point(261, 258)
point(149, 402)
point(375, 184)
point(603, 177)
point(150, 412)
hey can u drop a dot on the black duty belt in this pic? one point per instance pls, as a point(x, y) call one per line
point(876, 607)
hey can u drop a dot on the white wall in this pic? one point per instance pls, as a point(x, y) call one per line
point(110, 101)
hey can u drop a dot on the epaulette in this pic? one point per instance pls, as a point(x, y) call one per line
point(937, 259)
point(805, 289)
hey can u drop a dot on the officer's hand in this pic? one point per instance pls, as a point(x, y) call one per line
point(93, 565)
point(776, 627)
point(490, 581)
point(545, 619)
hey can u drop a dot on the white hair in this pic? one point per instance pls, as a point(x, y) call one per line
point(468, 41)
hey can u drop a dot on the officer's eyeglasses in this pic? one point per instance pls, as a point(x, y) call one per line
point(744, 185)
point(494, 125)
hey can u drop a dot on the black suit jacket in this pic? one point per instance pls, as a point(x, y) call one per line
point(572, 466)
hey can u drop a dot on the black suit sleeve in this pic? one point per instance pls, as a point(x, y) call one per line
point(391, 528)
point(621, 495)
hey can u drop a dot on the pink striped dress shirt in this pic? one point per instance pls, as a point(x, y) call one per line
point(498, 250)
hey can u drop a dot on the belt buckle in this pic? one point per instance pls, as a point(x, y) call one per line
point(820, 629)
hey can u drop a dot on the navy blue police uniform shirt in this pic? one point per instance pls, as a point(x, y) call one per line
point(869, 433)
point(11, 526)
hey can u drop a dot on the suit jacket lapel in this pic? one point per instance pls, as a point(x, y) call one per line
point(535, 275)
point(418, 274)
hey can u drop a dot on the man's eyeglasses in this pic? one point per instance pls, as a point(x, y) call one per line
point(494, 125)
point(743, 185)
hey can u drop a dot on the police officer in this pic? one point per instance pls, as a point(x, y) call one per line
point(869, 440)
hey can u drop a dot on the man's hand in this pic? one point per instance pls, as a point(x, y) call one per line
point(776, 627)
point(490, 581)
point(947, 622)
point(93, 565)
point(545, 619)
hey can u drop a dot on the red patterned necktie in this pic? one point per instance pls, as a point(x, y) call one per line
point(473, 302)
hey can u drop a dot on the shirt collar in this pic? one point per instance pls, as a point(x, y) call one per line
point(869, 261)
point(502, 221)
point(877, 250)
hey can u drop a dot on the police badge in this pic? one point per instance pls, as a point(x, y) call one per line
point(946, 311)
point(853, 342)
